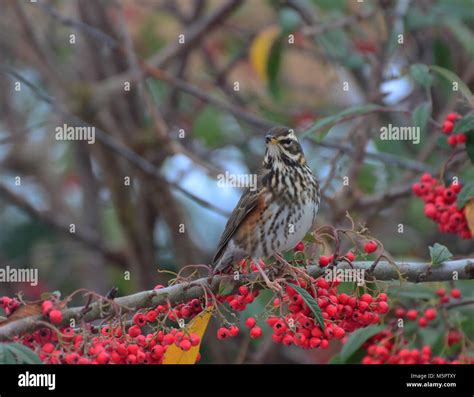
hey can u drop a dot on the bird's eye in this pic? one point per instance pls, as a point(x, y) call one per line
point(286, 142)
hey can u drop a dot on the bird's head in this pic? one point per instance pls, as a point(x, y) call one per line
point(283, 148)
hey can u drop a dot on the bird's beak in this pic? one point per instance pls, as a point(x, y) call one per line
point(271, 139)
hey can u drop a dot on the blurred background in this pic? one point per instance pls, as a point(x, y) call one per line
point(182, 91)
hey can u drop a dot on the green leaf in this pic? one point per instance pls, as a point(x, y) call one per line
point(442, 142)
point(470, 146)
point(416, 294)
point(465, 124)
point(273, 67)
point(311, 302)
point(466, 193)
point(452, 77)
point(462, 33)
point(420, 116)
point(439, 254)
point(442, 54)
point(226, 286)
point(421, 74)
point(15, 353)
point(309, 238)
point(334, 119)
point(357, 339)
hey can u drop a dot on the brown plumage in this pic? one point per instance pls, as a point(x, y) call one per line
point(276, 216)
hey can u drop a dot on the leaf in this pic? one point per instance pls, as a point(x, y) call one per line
point(357, 339)
point(311, 302)
point(470, 145)
point(15, 353)
point(421, 74)
point(465, 124)
point(469, 214)
point(260, 49)
point(226, 286)
point(273, 67)
point(420, 116)
point(466, 193)
point(462, 33)
point(198, 326)
point(452, 77)
point(439, 254)
point(416, 294)
point(327, 121)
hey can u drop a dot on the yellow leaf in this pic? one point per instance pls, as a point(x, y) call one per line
point(260, 49)
point(198, 325)
point(469, 212)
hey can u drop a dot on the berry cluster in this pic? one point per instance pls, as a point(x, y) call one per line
point(341, 313)
point(448, 127)
point(9, 305)
point(143, 341)
point(388, 348)
point(391, 347)
point(440, 205)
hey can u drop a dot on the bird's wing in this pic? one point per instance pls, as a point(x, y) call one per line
point(247, 203)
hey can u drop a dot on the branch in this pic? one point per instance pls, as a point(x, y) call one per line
point(384, 271)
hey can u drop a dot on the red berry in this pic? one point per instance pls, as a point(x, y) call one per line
point(461, 138)
point(243, 290)
point(103, 358)
point(447, 127)
point(139, 319)
point(453, 117)
point(46, 306)
point(223, 333)
point(255, 332)
point(299, 247)
point(134, 331)
point(185, 345)
point(452, 140)
point(382, 307)
point(55, 316)
point(366, 298)
point(430, 314)
point(233, 330)
point(455, 293)
point(324, 260)
point(441, 292)
point(339, 333)
point(412, 314)
point(370, 247)
point(350, 256)
point(194, 339)
point(399, 312)
point(151, 316)
point(422, 322)
point(250, 322)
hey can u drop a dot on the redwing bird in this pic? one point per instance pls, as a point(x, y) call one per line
point(276, 216)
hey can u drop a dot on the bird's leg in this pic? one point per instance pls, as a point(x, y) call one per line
point(292, 270)
point(273, 285)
